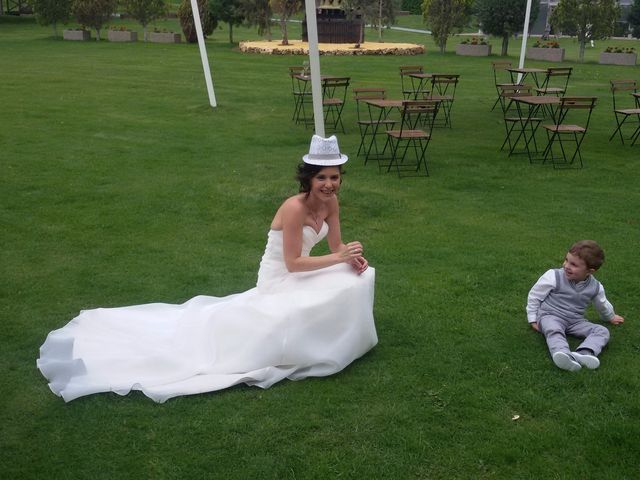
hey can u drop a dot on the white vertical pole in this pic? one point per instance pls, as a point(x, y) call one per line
point(525, 35)
point(314, 63)
point(203, 53)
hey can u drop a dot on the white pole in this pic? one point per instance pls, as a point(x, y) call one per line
point(203, 53)
point(314, 63)
point(525, 35)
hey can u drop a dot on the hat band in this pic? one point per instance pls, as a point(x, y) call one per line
point(324, 156)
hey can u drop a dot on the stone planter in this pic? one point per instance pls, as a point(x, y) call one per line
point(165, 37)
point(610, 58)
point(473, 50)
point(79, 35)
point(546, 54)
point(122, 36)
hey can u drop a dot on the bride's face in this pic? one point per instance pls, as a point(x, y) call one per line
point(326, 183)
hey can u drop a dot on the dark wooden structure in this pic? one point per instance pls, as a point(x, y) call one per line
point(333, 24)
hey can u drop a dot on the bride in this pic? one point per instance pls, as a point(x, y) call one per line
point(307, 316)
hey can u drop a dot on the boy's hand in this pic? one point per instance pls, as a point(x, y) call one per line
point(617, 320)
point(534, 325)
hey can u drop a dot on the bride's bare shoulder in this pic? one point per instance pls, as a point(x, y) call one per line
point(292, 207)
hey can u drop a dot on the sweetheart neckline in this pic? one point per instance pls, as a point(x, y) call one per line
point(311, 227)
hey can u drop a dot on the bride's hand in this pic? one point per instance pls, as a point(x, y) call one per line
point(351, 251)
point(359, 264)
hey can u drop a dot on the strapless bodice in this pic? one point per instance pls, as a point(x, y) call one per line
point(272, 266)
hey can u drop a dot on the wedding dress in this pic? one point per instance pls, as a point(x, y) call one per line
point(291, 325)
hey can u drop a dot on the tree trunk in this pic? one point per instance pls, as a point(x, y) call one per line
point(581, 43)
point(283, 27)
point(380, 21)
point(55, 29)
point(97, 34)
point(505, 44)
point(145, 33)
point(231, 33)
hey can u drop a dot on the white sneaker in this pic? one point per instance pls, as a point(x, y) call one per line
point(565, 362)
point(589, 361)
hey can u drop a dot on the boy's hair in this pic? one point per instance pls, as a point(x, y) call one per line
point(590, 252)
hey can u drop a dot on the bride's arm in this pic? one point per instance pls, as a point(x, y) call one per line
point(334, 238)
point(293, 217)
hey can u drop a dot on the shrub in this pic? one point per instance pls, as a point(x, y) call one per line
point(208, 21)
point(94, 13)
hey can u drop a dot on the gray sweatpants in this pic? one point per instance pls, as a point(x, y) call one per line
point(556, 329)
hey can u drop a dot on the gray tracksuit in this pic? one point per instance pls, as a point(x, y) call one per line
point(558, 305)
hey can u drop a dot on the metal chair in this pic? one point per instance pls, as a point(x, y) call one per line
point(500, 73)
point(414, 139)
point(555, 81)
point(515, 124)
point(408, 83)
point(570, 110)
point(302, 98)
point(443, 88)
point(368, 123)
point(623, 114)
point(334, 95)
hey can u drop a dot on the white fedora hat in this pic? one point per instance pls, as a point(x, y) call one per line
point(324, 152)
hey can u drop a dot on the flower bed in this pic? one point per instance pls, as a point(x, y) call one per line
point(471, 50)
point(547, 51)
point(296, 47)
point(618, 56)
point(165, 37)
point(122, 36)
point(78, 35)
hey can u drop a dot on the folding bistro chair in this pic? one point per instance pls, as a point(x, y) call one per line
point(521, 123)
point(334, 95)
point(414, 139)
point(569, 110)
point(555, 81)
point(622, 114)
point(507, 92)
point(368, 123)
point(408, 83)
point(443, 88)
point(302, 98)
point(500, 75)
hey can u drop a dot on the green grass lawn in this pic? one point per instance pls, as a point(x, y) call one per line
point(120, 185)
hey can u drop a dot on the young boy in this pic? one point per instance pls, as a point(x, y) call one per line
point(558, 300)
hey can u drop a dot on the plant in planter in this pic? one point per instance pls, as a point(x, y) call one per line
point(548, 51)
point(618, 56)
point(164, 36)
point(474, 46)
point(80, 34)
point(122, 34)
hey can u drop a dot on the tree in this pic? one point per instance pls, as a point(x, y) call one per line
point(414, 7)
point(380, 13)
point(586, 19)
point(94, 13)
point(634, 18)
point(207, 20)
point(445, 16)
point(229, 11)
point(145, 11)
point(503, 18)
point(286, 8)
point(52, 12)
point(257, 13)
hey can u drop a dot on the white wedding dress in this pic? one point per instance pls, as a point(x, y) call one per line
point(292, 325)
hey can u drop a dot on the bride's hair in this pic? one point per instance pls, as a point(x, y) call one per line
point(307, 171)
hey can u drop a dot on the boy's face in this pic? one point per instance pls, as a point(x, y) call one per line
point(575, 268)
